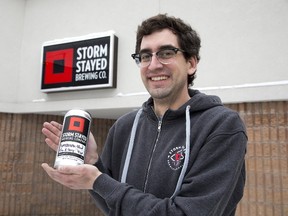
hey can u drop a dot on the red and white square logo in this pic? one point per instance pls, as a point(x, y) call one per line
point(76, 124)
point(58, 66)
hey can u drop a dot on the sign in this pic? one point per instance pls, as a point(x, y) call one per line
point(86, 62)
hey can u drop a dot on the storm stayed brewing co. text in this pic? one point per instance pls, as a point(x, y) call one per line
point(92, 58)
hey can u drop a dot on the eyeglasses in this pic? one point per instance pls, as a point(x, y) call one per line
point(164, 56)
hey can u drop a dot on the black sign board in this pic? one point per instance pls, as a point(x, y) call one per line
point(86, 62)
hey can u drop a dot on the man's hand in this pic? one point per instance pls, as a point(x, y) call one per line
point(52, 130)
point(74, 177)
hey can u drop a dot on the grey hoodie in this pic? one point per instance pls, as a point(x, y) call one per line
point(189, 162)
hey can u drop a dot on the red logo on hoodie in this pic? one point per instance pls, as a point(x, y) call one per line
point(176, 157)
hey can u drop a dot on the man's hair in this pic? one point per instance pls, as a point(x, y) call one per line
point(188, 38)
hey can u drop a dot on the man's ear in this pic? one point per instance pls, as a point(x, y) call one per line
point(192, 65)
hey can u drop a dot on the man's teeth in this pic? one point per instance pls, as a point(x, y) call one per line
point(158, 78)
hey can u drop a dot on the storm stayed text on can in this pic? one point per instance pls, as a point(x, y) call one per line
point(74, 138)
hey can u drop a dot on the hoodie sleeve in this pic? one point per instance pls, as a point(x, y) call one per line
point(213, 184)
point(100, 202)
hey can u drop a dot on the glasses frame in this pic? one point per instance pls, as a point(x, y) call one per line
point(136, 56)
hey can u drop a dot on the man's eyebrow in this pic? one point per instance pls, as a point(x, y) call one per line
point(145, 51)
point(160, 48)
point(166, 47)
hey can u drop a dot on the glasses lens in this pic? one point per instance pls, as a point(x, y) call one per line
point(144, 59)
point(164, 56)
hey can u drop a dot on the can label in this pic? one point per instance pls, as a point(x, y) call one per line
point(75, 134)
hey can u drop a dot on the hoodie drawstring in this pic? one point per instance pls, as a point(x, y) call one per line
point(187, 154)
point(130, 147)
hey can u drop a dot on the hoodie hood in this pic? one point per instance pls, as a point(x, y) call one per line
point(198, 102)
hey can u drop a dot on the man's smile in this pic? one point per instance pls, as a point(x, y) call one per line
point(159, 78)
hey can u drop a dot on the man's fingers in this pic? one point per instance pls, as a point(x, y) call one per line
point(51, 144)
point(51, 139)
point(52, 131)
point(57, 125)
point(53, 127)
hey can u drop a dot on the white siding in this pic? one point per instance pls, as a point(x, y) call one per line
point(243, 57)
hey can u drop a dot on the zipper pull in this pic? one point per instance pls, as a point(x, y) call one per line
point(159, 125)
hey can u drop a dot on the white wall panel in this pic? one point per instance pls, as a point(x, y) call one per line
point(244, 50)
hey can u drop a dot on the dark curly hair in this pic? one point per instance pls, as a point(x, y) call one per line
point(188, 38)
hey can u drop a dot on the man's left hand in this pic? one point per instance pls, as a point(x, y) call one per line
point(74, 177)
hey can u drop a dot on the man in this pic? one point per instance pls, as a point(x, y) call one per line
point(182, 153)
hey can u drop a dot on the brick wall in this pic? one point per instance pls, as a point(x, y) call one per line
point(266, 191)
point(26, 190)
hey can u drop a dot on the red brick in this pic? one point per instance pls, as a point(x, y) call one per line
point(269, 209)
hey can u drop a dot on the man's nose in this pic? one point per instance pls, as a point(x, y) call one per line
point(155, 63)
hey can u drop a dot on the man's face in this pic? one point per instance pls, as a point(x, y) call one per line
point(165, 81)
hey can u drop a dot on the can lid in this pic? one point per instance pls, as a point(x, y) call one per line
point(79, 112)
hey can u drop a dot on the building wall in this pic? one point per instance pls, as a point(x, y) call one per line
point(11, 22)
point(27, 190)
point(244, 50)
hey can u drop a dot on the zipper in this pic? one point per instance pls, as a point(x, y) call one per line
point(154, 148)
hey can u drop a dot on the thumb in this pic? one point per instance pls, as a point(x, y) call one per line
point(67, 169)
point(45, 166)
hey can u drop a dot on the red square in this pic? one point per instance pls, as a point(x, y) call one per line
point(76, 124)
point(53, 77)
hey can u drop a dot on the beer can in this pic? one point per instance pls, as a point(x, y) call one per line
point(74, 138)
